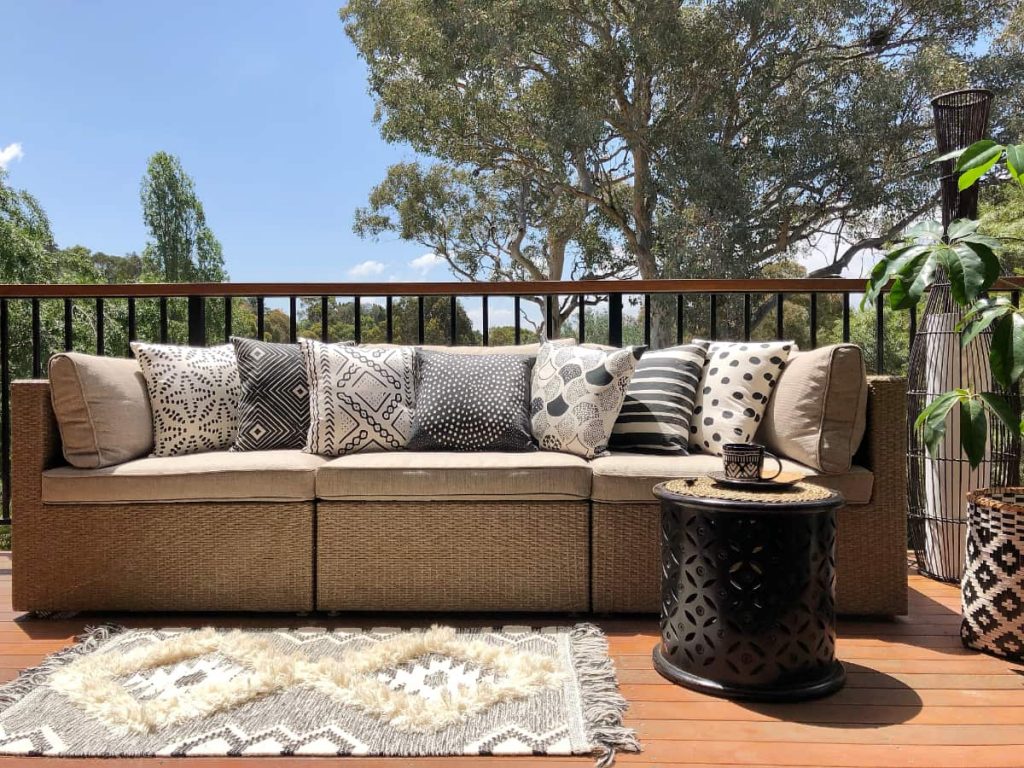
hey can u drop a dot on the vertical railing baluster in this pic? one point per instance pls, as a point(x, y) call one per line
point(780, 316)
point(229, 330)
point(421, 320)
point(880, 334)
point(615, 319)
point(37, 341)
point(69, 325)
point(814, 320)
point(484, 321)
point(259, 317)
point(5, 411)
point(846, 318)
point(549, 316)
point(913, 323)
point(197, 321)
point(746, 317)
point(582, 310)
point(101, 341)
point(516, 307)
point(293, 324)
point(133, 330)
point(389, 318)
point(679, 318)
point(713, 319)
point(647, 319)
point(325, 325)
point(453, 320)
point(357, 318)
point(163, 319)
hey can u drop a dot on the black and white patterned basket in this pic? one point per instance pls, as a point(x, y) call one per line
point(992, 590)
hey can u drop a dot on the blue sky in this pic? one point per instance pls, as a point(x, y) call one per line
point(265, 103)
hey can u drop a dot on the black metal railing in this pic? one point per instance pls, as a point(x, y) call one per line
point(38, 320)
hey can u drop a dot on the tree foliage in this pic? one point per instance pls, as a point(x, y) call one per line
point(712, 138)
point(183, 248)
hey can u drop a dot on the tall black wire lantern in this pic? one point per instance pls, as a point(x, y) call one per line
point(939, 482)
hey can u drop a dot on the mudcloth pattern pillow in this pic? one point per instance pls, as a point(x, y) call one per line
point(360, 398)
point(735, 388)
point(274, 409)
point(472, 403)
point(194, 393)
point(576, 394)
point(655, 416)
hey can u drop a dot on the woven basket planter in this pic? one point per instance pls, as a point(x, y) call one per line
point(992, 590)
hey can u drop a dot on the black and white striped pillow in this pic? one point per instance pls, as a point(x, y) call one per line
point(655, 416)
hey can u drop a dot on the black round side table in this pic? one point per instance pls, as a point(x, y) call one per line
point(748, 590)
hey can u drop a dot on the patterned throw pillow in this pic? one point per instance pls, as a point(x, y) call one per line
point(274, 409)
point(472, 403)
point(655, 416)
point(360, 398)
point(737, 383)
point(194, 394)
point(576, 396)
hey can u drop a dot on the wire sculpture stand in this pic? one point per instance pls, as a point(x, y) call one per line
point(938, 483)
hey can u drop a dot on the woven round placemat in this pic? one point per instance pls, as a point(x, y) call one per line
point(706, 488)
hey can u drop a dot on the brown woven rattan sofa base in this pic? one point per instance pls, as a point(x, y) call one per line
point(570, 555)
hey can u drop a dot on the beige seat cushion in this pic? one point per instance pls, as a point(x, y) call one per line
point(629, 477)
point(442, 475)
point(817, 413)
point(216, 476)
point(102, 409)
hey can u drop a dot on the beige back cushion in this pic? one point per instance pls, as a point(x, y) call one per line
point(102, 409)
point(817, 413)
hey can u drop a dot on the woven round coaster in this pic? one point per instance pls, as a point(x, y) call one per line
point(706, 488)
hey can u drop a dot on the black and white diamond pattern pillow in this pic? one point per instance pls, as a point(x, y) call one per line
point(194, 393)
point(576, 394)
point(472, 403)
point(360, 398)
point(655, 416)
point(737, 383)
point(274, 408)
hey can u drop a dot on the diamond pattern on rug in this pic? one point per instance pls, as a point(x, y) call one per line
point(388, 692)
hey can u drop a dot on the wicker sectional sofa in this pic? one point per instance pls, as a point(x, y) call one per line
point(402, 531)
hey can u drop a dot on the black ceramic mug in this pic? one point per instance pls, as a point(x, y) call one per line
point(745, 461)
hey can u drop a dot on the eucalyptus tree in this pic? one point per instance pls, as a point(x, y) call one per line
point(713, 137)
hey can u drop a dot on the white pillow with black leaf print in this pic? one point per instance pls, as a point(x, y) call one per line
point(736, 386)
point(194, 394)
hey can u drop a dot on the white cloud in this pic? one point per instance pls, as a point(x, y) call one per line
point(426, 262)
point(367, 268)
point(10, 153)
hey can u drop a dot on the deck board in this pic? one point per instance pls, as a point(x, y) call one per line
point(915, 696)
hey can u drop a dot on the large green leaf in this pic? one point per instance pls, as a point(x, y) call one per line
point(882, 272)
point(973, 430)
point(913, 277)
point(1007, 356)
point(929, 230)
point(1015, 162)
point(967, 271)
point(1001, 408)
point(977, 154)
point(981, 316)
point(932, 419)
point(961, 228)
point(978, 165)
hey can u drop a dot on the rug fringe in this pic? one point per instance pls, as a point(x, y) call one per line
point(33, 677)
point(603, 705)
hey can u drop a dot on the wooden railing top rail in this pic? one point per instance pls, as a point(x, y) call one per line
point(556, 287)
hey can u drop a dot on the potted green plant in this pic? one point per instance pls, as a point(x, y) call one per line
point(993, 581)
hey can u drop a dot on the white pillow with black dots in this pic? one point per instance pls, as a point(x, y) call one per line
point(736, 385)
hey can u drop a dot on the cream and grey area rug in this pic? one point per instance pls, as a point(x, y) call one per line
point(383, 692)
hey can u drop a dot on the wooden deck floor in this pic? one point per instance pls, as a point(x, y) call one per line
point(914, 697)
